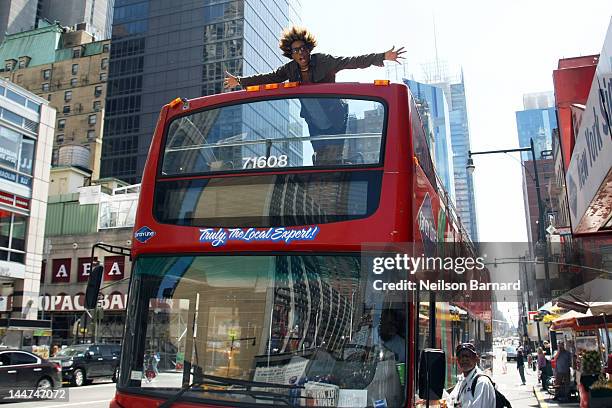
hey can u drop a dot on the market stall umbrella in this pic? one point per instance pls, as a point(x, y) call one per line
point(581, 297)
point(567, 320)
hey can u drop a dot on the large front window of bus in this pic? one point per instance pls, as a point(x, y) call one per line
point(295, 320)
point(277, 133)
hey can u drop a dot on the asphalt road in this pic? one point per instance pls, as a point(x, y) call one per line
point(96, 395)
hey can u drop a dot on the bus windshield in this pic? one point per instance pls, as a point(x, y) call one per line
point(308, 321)
point(277, 133)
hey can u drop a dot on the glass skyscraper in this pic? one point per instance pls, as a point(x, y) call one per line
point(460, 140)
point(162, 50)
point(536, 124)
point(437, 107)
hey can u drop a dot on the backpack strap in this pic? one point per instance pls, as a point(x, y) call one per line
point(475, 380)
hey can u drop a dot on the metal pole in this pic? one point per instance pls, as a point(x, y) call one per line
point(541, 230)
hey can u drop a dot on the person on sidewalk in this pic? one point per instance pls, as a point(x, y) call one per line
point(543, 377)
point(504, 360)
point(563, 360)
point(483, 395)
point(520, 364)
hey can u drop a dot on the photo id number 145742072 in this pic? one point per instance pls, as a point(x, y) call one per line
point(33, 394)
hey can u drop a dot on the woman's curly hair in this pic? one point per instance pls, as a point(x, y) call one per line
point(295, 33)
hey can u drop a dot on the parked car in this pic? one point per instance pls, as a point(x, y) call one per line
point(84, 362)
point(23, 370)
point(511, 352)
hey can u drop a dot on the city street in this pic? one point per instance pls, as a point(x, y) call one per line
point(509, 384)
point(96, 395)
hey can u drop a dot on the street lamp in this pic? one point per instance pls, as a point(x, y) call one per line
point(470, 167)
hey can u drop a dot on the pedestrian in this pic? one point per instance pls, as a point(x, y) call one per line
point(504, 360)
point(562, 372)
point(54, 350)
point(520, 364)
point(483, 394)
point(324, 116)
point(543, 377)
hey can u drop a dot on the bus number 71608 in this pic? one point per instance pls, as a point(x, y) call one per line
point(263, 162)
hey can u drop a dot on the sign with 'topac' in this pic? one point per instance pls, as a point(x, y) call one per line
point(220, 236)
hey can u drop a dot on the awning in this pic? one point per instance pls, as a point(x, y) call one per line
point(567, 320)
point(597, 292)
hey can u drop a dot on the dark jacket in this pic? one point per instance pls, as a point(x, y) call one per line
point(323, 68)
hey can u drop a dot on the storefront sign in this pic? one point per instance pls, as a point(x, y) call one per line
point(590, 163)
point(84, 269)
point(114, 267)
point(60, 271)
point(72, 303)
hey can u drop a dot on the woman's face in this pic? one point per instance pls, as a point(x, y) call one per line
point(300, 53)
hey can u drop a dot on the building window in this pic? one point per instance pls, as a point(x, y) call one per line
point(22, 64)
point(75, 69)
point(105, 47)
point(8, 66)
point(102, 76)
point(76, 53)
point(12, 236)
point(92, 119)
point(49, 97)
point(46, 74)
point(104, 63)
point(45, 87)
point(68, 96)
point(97, 105)
point(91, 135)
point(98, 91)
point(60, 138)
point(66, 109)
point(61, 124)
point(73, 82)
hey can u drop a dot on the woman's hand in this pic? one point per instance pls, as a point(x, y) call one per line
point(394, 55)
point(230, 81)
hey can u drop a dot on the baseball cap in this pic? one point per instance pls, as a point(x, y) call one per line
point(465, 346)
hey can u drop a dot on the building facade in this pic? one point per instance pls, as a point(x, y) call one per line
point(460, 142)
point(16, 16)
point(26, 136)
point(162, 50)
point(97, 14)
point(69, 69)
point(78, 217)
point(24, 15)
point(437, 107)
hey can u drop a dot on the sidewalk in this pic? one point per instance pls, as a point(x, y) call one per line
point(545, 400)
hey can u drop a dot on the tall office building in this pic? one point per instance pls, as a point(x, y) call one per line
point(437, 106)
point(16, 16)
point(97, 14)
point(161, 50)
point(537, 122)
point(436, 74)
point(24, 15)
point(460, 141)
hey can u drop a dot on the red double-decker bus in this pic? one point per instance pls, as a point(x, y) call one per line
point(249, 286)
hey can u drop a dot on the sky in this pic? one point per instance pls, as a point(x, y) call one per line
point(505, 49)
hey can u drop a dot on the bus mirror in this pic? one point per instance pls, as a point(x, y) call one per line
point(93, 287)
point(432, 371)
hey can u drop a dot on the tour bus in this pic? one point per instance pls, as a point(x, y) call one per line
point(250, 285)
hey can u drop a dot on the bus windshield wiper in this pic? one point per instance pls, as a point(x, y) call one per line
point(206, 379)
